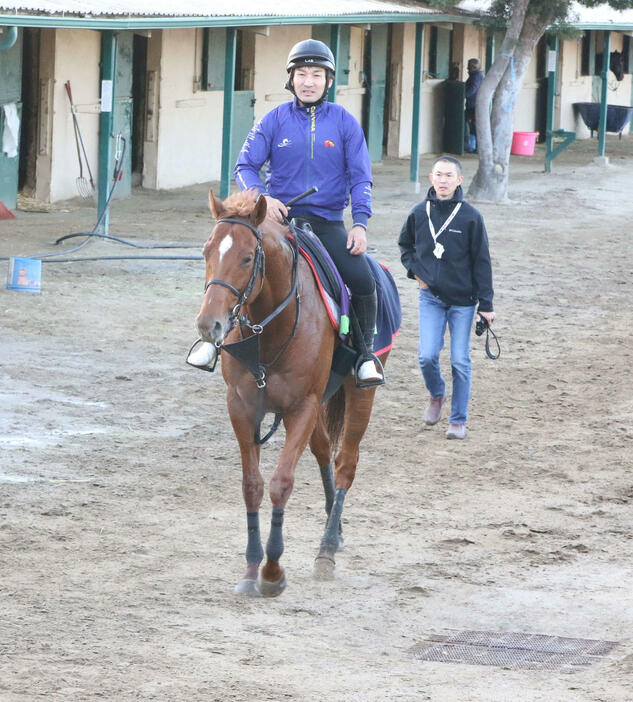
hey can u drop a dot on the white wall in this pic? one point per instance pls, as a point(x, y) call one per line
point(190, 123)
point(77, 56)
point(271, 53)
point(526, 104)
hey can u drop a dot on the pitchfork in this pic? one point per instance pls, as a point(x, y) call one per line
point(83, 188)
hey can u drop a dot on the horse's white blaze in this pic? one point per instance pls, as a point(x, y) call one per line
point(225, 245)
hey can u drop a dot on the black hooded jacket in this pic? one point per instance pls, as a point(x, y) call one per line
point(463, 275)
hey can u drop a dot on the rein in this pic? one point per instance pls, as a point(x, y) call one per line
point(247, 350)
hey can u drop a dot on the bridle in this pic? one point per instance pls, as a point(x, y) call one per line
point(259, 268)
point(247, 350)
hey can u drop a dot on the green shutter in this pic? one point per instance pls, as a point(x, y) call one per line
point(213, 57)
point(342, 60)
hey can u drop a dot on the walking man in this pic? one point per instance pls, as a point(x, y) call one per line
point(444, 246)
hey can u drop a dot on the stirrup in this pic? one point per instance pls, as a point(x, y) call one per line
point(205, 357)
point(369, 382)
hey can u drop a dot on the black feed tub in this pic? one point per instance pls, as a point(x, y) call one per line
point(618, 116)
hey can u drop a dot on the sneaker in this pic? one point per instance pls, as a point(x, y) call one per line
point(456, 431)
point(368, 375)
point(433, 412)
point(202, 356)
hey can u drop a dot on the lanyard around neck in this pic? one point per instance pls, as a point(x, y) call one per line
point(451, 217)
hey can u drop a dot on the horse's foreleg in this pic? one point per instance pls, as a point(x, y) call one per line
point(299, 425)
point(253, 492)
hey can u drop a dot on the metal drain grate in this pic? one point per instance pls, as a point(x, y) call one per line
point(513, 650)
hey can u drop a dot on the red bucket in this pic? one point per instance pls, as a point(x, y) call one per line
point(523, 143)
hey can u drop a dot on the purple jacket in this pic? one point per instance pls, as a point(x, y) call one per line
point(321, 145)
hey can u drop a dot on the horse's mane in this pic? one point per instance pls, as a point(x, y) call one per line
point(240, 204)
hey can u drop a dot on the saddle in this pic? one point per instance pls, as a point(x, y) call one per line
point(337, 302)
point(331, 286)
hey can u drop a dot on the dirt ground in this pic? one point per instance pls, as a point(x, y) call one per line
point(122, 527)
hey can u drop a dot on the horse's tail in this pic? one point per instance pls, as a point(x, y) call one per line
point(335, 417)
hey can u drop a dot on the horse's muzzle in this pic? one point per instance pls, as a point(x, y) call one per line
point(213, 330)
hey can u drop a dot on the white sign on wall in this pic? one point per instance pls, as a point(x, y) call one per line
point(106, 96)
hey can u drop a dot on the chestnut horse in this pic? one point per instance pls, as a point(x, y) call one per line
point(258, 285)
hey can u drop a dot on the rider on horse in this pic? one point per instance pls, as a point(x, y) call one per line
point(310, 142)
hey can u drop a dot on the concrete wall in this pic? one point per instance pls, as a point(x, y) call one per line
point(270, 69)
point(271, 53)
point(189, 122)
point(59, 63)
point(525, 117)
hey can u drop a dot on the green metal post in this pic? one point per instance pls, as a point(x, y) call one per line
point(417, 92)
point(602, 125)
point(335, 42)
point(552, 80)
point(106, 123)
point(227, 120)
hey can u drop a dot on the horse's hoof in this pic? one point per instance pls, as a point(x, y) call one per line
point(324, 568)
point(248, 587)
point(268, 589)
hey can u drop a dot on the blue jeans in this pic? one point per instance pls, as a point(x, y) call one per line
point(434, 315)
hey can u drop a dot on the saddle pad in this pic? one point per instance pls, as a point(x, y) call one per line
point(331, 287)
point(336, 296)
point(389, 315)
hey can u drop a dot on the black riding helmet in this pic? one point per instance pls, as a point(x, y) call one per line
point(310, 52)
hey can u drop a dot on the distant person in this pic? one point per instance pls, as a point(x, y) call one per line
point(473, 82)
point(444, 246)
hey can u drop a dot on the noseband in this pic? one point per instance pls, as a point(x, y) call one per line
point(259, 268)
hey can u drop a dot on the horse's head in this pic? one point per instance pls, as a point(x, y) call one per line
point(616, 64)
point(234, 262)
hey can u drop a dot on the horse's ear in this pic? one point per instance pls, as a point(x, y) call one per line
point(259, 212)
point(215, 205)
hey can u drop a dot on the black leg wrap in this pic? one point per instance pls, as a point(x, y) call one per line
point(329, 543)
point(327, 476)
point(275, 545)
point(254, 548)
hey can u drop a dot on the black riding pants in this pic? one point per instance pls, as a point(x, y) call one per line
point(354, 269)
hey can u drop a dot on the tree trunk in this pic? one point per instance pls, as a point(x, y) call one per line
point(505, 78)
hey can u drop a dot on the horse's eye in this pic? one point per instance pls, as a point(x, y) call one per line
point(247, 259)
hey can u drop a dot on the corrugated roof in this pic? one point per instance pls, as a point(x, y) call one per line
point(212, 8)
point(600, 15)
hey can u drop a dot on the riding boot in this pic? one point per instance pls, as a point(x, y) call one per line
point(369, 370)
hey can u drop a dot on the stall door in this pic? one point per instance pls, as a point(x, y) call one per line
point(454, 118)
point(243, 119)
point(10, 92)
point(377, 73)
